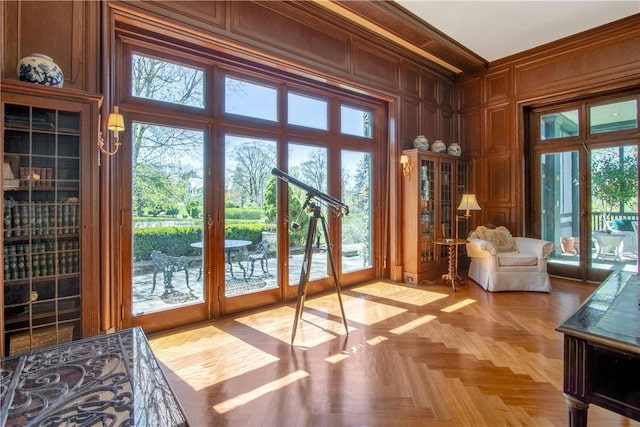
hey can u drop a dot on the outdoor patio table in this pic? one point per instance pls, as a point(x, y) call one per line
point(229, 246)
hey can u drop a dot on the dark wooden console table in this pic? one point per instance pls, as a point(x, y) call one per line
point(109, 379)
point(602, 350)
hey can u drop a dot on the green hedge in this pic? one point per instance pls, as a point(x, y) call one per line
point(251, 232)
point(173, 241)
point(176, 241)
point(243, 213)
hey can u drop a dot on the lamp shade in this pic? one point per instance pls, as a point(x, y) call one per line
point(469, 203)
point(116, 121)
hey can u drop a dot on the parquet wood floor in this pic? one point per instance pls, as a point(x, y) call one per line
point(414, 356)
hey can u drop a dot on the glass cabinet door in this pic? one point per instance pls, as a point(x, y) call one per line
point(41, 227)
point(427, 214)
point(446, 202)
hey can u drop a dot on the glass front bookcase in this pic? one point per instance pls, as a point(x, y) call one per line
point(45, 219)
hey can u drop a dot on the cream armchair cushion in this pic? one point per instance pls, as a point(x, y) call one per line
point(500, 262)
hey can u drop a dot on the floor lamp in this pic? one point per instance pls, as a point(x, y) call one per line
point(468, 203)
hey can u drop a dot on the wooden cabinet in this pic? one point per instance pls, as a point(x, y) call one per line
point(49, 231)
point(432, 186)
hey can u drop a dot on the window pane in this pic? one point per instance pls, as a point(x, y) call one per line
point(611, 117)
point(250, 100)
point(559, 125)
point(167, 217)
point(309, 165)
point(355, 122)
point(614, 207)
point(356, 227)
point(250, 239)
point(167, 82)
point(306, 111)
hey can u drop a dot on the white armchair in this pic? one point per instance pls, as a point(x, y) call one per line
point(500, 262)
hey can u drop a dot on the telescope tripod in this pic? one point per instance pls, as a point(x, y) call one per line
point(305, 270)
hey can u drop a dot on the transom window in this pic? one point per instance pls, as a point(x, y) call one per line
point(164, 81)
point(613, 117)
point(250, 99)
point(306, 111)
point(354, 121)
point(559, 125)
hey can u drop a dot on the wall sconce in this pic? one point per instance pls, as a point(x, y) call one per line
point(405, 161)
point(116, 125)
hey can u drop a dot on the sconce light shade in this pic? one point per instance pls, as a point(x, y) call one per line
point(116, 121)
point(405, 161)
point(115, 124)
point(469, 203)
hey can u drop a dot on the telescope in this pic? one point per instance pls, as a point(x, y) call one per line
point(312, 192)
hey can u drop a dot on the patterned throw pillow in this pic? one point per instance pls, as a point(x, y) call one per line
point(500, 238)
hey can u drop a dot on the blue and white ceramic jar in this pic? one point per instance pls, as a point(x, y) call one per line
point(40, 69)
point(439, 147)
point(421, 142)
point(454, 149)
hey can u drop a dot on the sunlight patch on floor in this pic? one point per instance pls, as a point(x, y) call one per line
point(272, 386)
point(400, 293)
point(412, 325)
point(370, 312)
point(457, 306)
point(206, 361)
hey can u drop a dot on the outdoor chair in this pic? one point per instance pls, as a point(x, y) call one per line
point(167, 265)
point(261, 254)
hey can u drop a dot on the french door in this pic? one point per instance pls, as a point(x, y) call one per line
point(585, 168)
point(206, 227)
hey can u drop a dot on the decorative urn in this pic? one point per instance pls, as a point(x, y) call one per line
point(421, 142)
point(454, 149)
point(40, 69)
point(439, 147)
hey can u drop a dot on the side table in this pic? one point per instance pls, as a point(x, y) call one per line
point(452, 245)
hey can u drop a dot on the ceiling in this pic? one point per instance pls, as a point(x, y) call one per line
point(494, 29)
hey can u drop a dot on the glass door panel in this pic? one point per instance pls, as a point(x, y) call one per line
point(560, 208)
point(167, 210)
point(356, 227)
point(308, 164)
point(250, 235)
point(614, 208)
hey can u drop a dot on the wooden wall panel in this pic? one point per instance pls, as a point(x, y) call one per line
point(500, 179)
point(498, 87)
point(409, 122)
point(445, 95)
point(469, 94)
point(369, 62)
point(446, 131)
point(200, 14)
point(428, 122)
point(498, 217)
point(499, 136)
point(430, 87)
point(410, 79)
point(582, 67)
point(312, 39)
point(470, 132)
point(61, 30)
